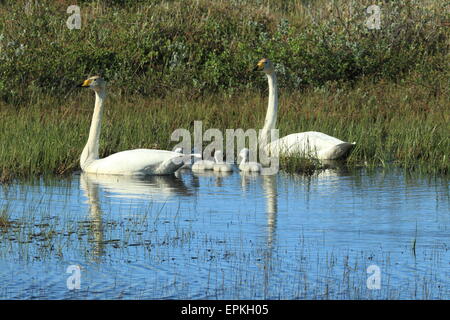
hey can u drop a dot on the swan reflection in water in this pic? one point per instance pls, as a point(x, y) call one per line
point(270, 190)
point(162, 188)
point(331, 176)
point(269, 185)
point(91, 191)
point(153, 188)
point(219, 175)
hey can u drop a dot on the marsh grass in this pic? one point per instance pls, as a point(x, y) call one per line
point(39, 236)
point(53, 229)
point(5, 222)
point(404, 125)
point(385, 90)
point(301, 165)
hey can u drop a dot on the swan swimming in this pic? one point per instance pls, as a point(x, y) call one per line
point(219, 165)
point(311, 144)
point(131, 162)
point(246, 166)
point(187, 165)
point(202, 165)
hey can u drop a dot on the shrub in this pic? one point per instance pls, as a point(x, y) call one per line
point(190, 47)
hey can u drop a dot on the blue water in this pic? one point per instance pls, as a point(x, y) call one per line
point(215, 236)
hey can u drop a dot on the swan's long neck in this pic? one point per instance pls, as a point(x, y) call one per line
point(90, 151)
point(272, 109)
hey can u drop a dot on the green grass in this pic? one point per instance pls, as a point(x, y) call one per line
point(392, 124)
point(197, 47)
point(387, 89)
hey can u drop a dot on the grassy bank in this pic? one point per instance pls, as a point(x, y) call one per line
point(197, 47)
point(169, 63)
point(400, 124)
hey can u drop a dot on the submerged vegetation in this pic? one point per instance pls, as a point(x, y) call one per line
point(317, 247)
point(169, 63)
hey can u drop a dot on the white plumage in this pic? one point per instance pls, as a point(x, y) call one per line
point(188, 158)
point(136, 162)
point(247, 166)
point(308, 144)
point(202, 165)
point(219, 165)
point(131, 162)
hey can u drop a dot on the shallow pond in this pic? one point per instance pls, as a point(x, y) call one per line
point(338, 234)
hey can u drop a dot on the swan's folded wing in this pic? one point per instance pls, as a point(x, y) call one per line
point(308, 144)
point(138, 162)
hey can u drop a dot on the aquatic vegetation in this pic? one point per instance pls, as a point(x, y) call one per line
point(393, 124)
point(385, 89)
point(4, 220)
point(314, 246)
point(290, 236)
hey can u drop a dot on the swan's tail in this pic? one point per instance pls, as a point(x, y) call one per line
point(169, 166)
point(343, 150)
point(338, 152)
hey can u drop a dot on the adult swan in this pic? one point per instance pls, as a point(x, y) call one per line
point(309, 144)
point(131, 162)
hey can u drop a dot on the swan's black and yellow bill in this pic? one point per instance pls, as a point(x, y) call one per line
point(260, 65)
point(85, 84)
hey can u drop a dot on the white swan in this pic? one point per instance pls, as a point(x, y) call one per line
point(219, 165)
point(187, 164)
point(310, 144)
point(202, 165)
point(131, 162)
point(246, 166)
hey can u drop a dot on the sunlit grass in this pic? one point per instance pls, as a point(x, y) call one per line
point(392, 124)
point(200, 47)
point(386, 90)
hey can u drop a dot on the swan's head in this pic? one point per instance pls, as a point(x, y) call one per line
point(264, 65)
point(96, 83)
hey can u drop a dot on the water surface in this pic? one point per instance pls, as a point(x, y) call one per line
point(209, 236)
